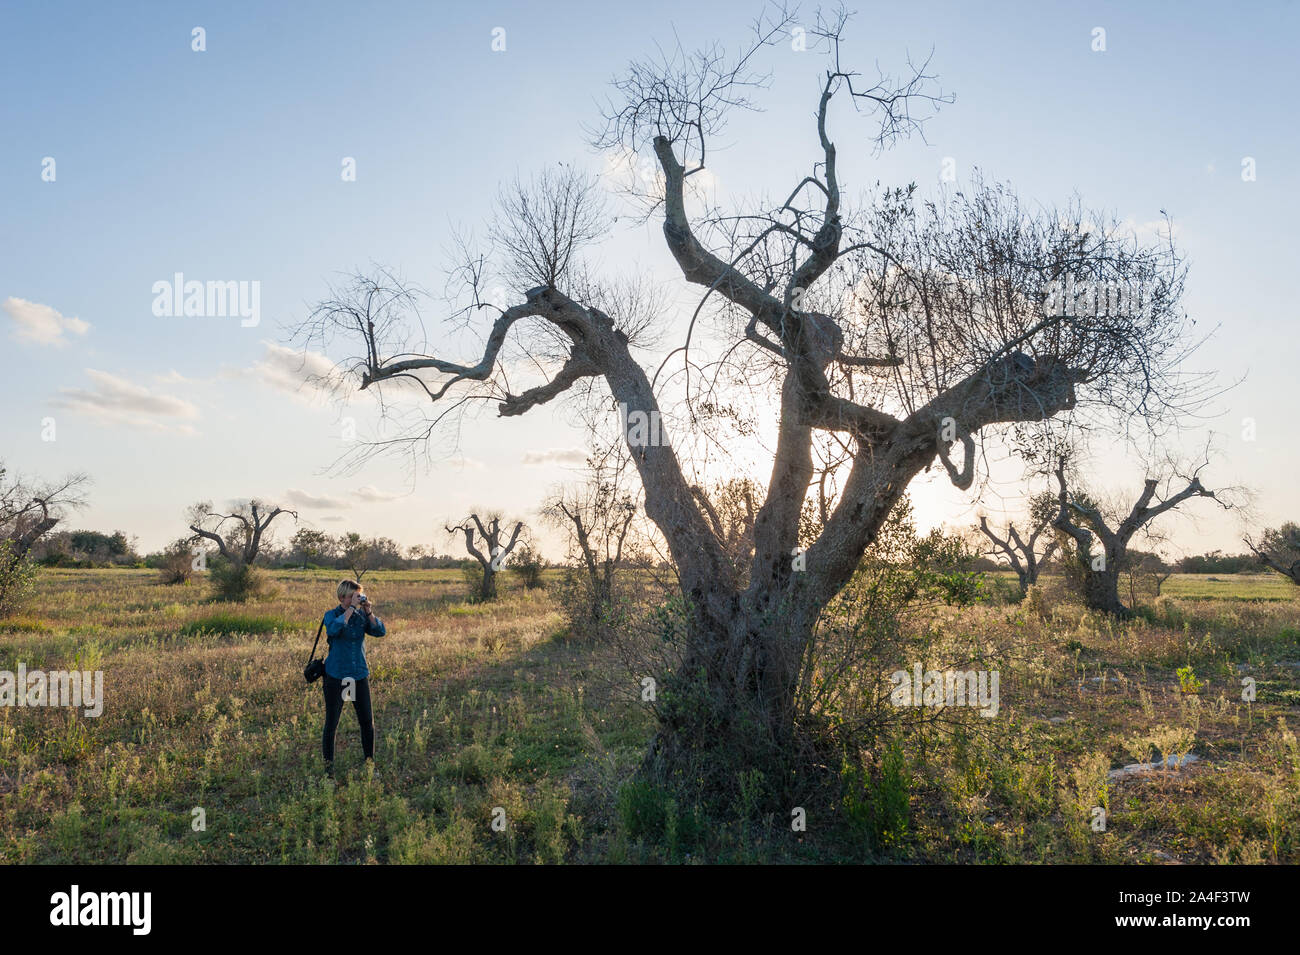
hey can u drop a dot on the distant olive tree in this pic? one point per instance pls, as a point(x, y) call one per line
point(599, 517)
point(357, 554)
point(1279, 549)
point(1102, 543)
point(30, 509)
point(1022, 552)
point(310, 546)
point(489, 536)
point(239, 536)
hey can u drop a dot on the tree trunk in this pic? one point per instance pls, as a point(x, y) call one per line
point(488, 589)
point(1101, 592)
point(731, 707)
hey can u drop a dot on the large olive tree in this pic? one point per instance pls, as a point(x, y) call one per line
point(899, 329)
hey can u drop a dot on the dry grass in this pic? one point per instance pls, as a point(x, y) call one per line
point(481, 708)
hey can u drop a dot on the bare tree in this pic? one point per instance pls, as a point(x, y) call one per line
point(1022, 552)
point(1085, 524)
point(239, 536)
point(900, 330)
point(1279, 549)
point(490, 537)
point(598, 516)
point(1145, 567)
point(29, 510)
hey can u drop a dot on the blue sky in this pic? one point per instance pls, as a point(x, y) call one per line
point(225, 164)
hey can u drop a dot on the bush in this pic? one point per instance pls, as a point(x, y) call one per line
point(17, 578)
point(236, 582)
point(1035, 602)
point(651, 813)
point(878, 805)
point(594, 616)
point(528, 564)
point(472, 574)
point(177, 564)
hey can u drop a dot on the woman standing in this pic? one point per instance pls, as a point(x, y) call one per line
point(346, 675)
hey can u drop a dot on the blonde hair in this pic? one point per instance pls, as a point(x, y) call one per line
point(347, 588)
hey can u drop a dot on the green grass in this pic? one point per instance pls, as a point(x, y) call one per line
point(233, 623)
point(1230, 587)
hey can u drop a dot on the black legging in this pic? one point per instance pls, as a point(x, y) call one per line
point(334, 708)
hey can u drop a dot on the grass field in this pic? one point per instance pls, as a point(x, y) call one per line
point(489, 708)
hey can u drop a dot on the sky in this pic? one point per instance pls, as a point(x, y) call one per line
point(129, 156)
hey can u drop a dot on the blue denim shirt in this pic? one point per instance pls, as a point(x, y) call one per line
point(347, 656)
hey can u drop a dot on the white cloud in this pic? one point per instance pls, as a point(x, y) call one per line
point(321, 501)
point(463, 463)
point(334, 518)
point(307, 376)
point(119, 401)
point(570, 456)
point(42, 324)
point(371, 493)
point(1154, 229)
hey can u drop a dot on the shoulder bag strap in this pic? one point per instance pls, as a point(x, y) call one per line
point(313, 646)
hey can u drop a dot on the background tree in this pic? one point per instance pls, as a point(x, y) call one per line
point(598, 517)
point(901, 329)
point(1146, 571)
point(1279, 549)
point(99, 547)
point(310, 546)
point(30, 509)
point(358, 554)
point(1022, 552)
point(239, 536)
point(528, 566)
point(1085, 523)
point(489, 537)
point(176, 565)
point(1217, 562)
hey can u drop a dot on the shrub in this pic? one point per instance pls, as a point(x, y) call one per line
point(651, 813)
point(236, 582)
point(878, 804)
point(17, 578)
point(1035, 602)
point(177, 564)
point(528, 564)
point(1187, 681)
